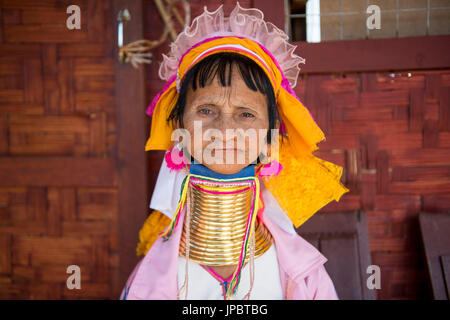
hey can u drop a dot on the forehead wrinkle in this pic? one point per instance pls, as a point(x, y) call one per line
point(208, 98)
point(216, 94)
point(219, 99)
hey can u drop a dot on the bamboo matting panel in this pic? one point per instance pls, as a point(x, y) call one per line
point(58, 181)
point(392, 136)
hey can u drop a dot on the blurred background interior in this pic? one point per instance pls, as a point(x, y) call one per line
point(75, 182)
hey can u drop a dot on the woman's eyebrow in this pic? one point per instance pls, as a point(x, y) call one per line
point(203, 100)
point(216, 101)
point(247, 105)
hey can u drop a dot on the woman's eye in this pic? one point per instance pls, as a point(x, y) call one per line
point(247, 115)
point(205, 111)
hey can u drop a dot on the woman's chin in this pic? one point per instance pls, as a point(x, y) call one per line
point(226, 168)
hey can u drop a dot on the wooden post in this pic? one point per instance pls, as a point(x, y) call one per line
point(131, 157)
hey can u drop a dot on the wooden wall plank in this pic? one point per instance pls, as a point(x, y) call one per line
point(21, 4)
point(382, 163)
point(57, 171)
point(65, 83)
point(11, 16)
point(54, 213)
point(3, 135)
point(404, 140)
point(97, 138)
point(5, 254)
point(58, 141)
point(43, 34)
point(95, 20)
point(420, 157)
point(33, 81)
point(43, 15)
point(36, 201)
point(430, 134)
point(11, 96)
point(19, 50)
point(377, 99)
point(50, 73)
point(424, 52)
point(417, 110)
point(444, 109)
point(130, 101)
point(81, 50)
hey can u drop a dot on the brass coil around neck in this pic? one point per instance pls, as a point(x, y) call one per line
point(217, 227)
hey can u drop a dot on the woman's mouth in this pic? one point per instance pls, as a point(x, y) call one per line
point(228, 149)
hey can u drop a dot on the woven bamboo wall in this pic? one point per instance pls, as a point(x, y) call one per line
point(392, 136)
point(58, 187)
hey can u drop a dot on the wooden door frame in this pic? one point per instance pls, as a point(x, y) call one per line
point(131, 134)
point(366, 55)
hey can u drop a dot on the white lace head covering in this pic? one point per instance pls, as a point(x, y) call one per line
point(245, 23)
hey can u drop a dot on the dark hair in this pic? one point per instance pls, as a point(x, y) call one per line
point(220, 64)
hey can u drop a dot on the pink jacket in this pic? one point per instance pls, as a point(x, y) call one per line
point(303, 275)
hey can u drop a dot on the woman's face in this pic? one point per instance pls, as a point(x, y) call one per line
point(220, 108)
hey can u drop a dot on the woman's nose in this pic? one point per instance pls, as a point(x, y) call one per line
point(226, 121)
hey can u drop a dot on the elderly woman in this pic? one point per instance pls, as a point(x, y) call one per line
point(239, 174)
